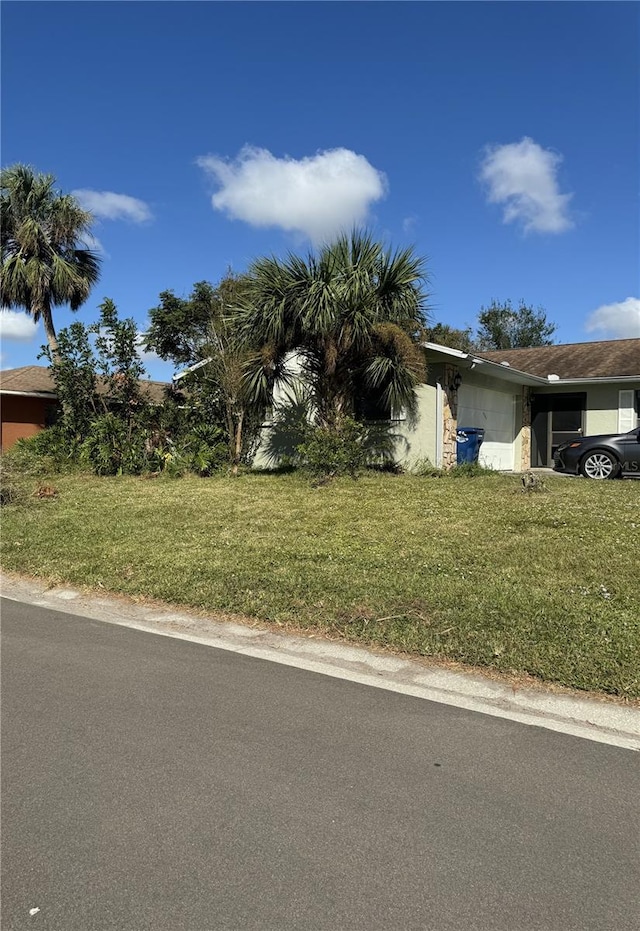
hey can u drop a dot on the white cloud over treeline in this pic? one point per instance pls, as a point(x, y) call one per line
point(523, 177)
point(318, 195)
point(616, 321)
point(107, 205)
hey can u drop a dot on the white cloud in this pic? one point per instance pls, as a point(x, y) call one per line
point(105, 205)
point(89, 241)
point(409, 224)
point(317, 196)
point(616, 321)
point(16, 325)
point(523, 177)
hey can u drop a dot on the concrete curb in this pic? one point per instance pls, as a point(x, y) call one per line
point(587, 718)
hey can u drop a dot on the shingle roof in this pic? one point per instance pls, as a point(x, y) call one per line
point(32, 379)
point(606, 359)
point(27, 379)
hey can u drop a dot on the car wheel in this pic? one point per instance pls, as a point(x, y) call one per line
point(599, 464)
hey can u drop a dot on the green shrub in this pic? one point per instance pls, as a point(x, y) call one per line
point(113, 448)
point(209, 451)
point(209, 459)
point(169, 462)
point(327, 453)
point(46, 452)
point(203, 451)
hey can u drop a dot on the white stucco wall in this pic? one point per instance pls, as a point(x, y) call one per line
point(601, 415)
point(421, 439)
point(417, 441)
point(602, 408)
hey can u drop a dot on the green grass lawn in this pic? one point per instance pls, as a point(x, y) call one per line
point(470, 569)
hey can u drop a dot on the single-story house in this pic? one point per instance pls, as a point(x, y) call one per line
point(528, 401)
point(28, 401)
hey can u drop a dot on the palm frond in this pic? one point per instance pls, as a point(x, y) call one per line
point(42, 266)
point(329, 307)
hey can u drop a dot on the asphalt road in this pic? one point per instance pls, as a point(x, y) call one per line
point(153, 783)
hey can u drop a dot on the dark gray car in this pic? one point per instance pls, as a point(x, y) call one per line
point(604, 456)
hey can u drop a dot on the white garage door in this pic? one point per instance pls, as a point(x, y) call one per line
point(494, 411)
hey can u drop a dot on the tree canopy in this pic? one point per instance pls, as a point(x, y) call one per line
point(180, 328)
point(352, 313)
point(501, 326)
point(43, 234)
point(201, 329)
point(454, 338)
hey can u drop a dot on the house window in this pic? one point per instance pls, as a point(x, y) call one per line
point(371, 408)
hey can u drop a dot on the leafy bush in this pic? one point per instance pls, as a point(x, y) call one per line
point(209, 459)
point(327, 453)
point(295, 440)
point(112, 448)
point(203, 451)
point(46, 452)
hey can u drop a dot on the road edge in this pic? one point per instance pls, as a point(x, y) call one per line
point(587, 718)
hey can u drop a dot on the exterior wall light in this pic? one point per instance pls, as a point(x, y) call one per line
point(455, 382)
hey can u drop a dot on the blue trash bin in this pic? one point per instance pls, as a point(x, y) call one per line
point(468, 443)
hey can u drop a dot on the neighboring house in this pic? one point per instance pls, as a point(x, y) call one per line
point(28, 401)
point(527, 400)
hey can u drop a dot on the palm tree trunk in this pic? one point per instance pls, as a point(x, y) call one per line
point(237, 451)
point(333, 404)
point(49, 329)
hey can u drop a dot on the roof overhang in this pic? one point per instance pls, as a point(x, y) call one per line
point(466, 360)
point(192, 368)
point(603, 380)
point(47, 395)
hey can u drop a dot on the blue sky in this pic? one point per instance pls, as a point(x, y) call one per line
point(501, 139)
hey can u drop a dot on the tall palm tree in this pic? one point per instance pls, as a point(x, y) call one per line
point(352, 313)
point(44, 259)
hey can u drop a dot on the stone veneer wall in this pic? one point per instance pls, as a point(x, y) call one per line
point(449, 418)
point(525, 430)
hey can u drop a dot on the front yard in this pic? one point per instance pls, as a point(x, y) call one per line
point(472, 570)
